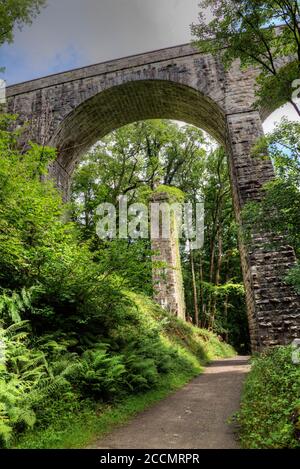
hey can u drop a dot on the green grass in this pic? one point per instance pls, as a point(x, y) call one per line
point(200, 344)
point(80, 429)
point(76, 424)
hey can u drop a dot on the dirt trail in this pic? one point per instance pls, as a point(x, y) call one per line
point(195, 417)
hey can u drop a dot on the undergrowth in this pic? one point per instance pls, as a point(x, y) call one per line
point(270, 411)
point(76, 398)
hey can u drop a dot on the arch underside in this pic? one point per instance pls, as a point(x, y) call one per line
point(271, 106)
point(132, 102)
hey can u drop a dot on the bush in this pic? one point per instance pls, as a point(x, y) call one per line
point(99, 375)
point(270, 409)
point(27, 382)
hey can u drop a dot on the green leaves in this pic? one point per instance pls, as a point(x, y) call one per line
point(282, 144)
point(247, 31)
point(16, 12)
point(99, 375)
point(269, 402)
point(293, 278)
point(19, 377)
point(132, 161)
point(12, 304)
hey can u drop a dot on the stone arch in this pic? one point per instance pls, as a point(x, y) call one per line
point(273, 103)
point(73, 109)
point(127, 103)
point(268, 109)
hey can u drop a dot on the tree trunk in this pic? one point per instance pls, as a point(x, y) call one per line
point(211, 278)
point(218, 276)
point(196, 309)
point(202, 319)
point(226, 312)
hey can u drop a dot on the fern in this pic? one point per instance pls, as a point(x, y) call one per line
point(5, 427)
point(25, 381)
point(13, 304)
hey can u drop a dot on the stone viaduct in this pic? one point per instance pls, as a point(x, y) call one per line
point(73, 110)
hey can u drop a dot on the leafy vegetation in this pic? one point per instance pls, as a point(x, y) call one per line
point(213, 277)
point(269, 416)
point(46, 389)
point(16, 12)
point(77, 334)
point(270, 409)
point(248, 31)
point(160, 155)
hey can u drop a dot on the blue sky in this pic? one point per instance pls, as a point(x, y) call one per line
point(18, 65)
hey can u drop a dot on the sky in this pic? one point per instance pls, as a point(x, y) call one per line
point(74, 33)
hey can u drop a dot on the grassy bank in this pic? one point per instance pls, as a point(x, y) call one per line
point(76, 423)
point(270, 409)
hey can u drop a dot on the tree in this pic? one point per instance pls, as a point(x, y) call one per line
point(136, 159)
point(16, 12)
point(40, 251)
point(132, 161)
point(283, 146)
point(215, 270)
point(248, 31)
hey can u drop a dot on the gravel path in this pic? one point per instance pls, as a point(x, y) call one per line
point(195, 417)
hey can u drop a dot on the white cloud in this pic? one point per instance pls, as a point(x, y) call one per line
point(284, 111)
point(100, 30)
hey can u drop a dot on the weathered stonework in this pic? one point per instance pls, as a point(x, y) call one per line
point(167, 279)
point(73, 110)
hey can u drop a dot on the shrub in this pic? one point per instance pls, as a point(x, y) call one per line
point(271, 401)
point(27, 382)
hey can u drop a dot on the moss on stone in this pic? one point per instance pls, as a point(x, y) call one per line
point(174, 194)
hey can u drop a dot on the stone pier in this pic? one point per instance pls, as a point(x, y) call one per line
point(167, 272)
